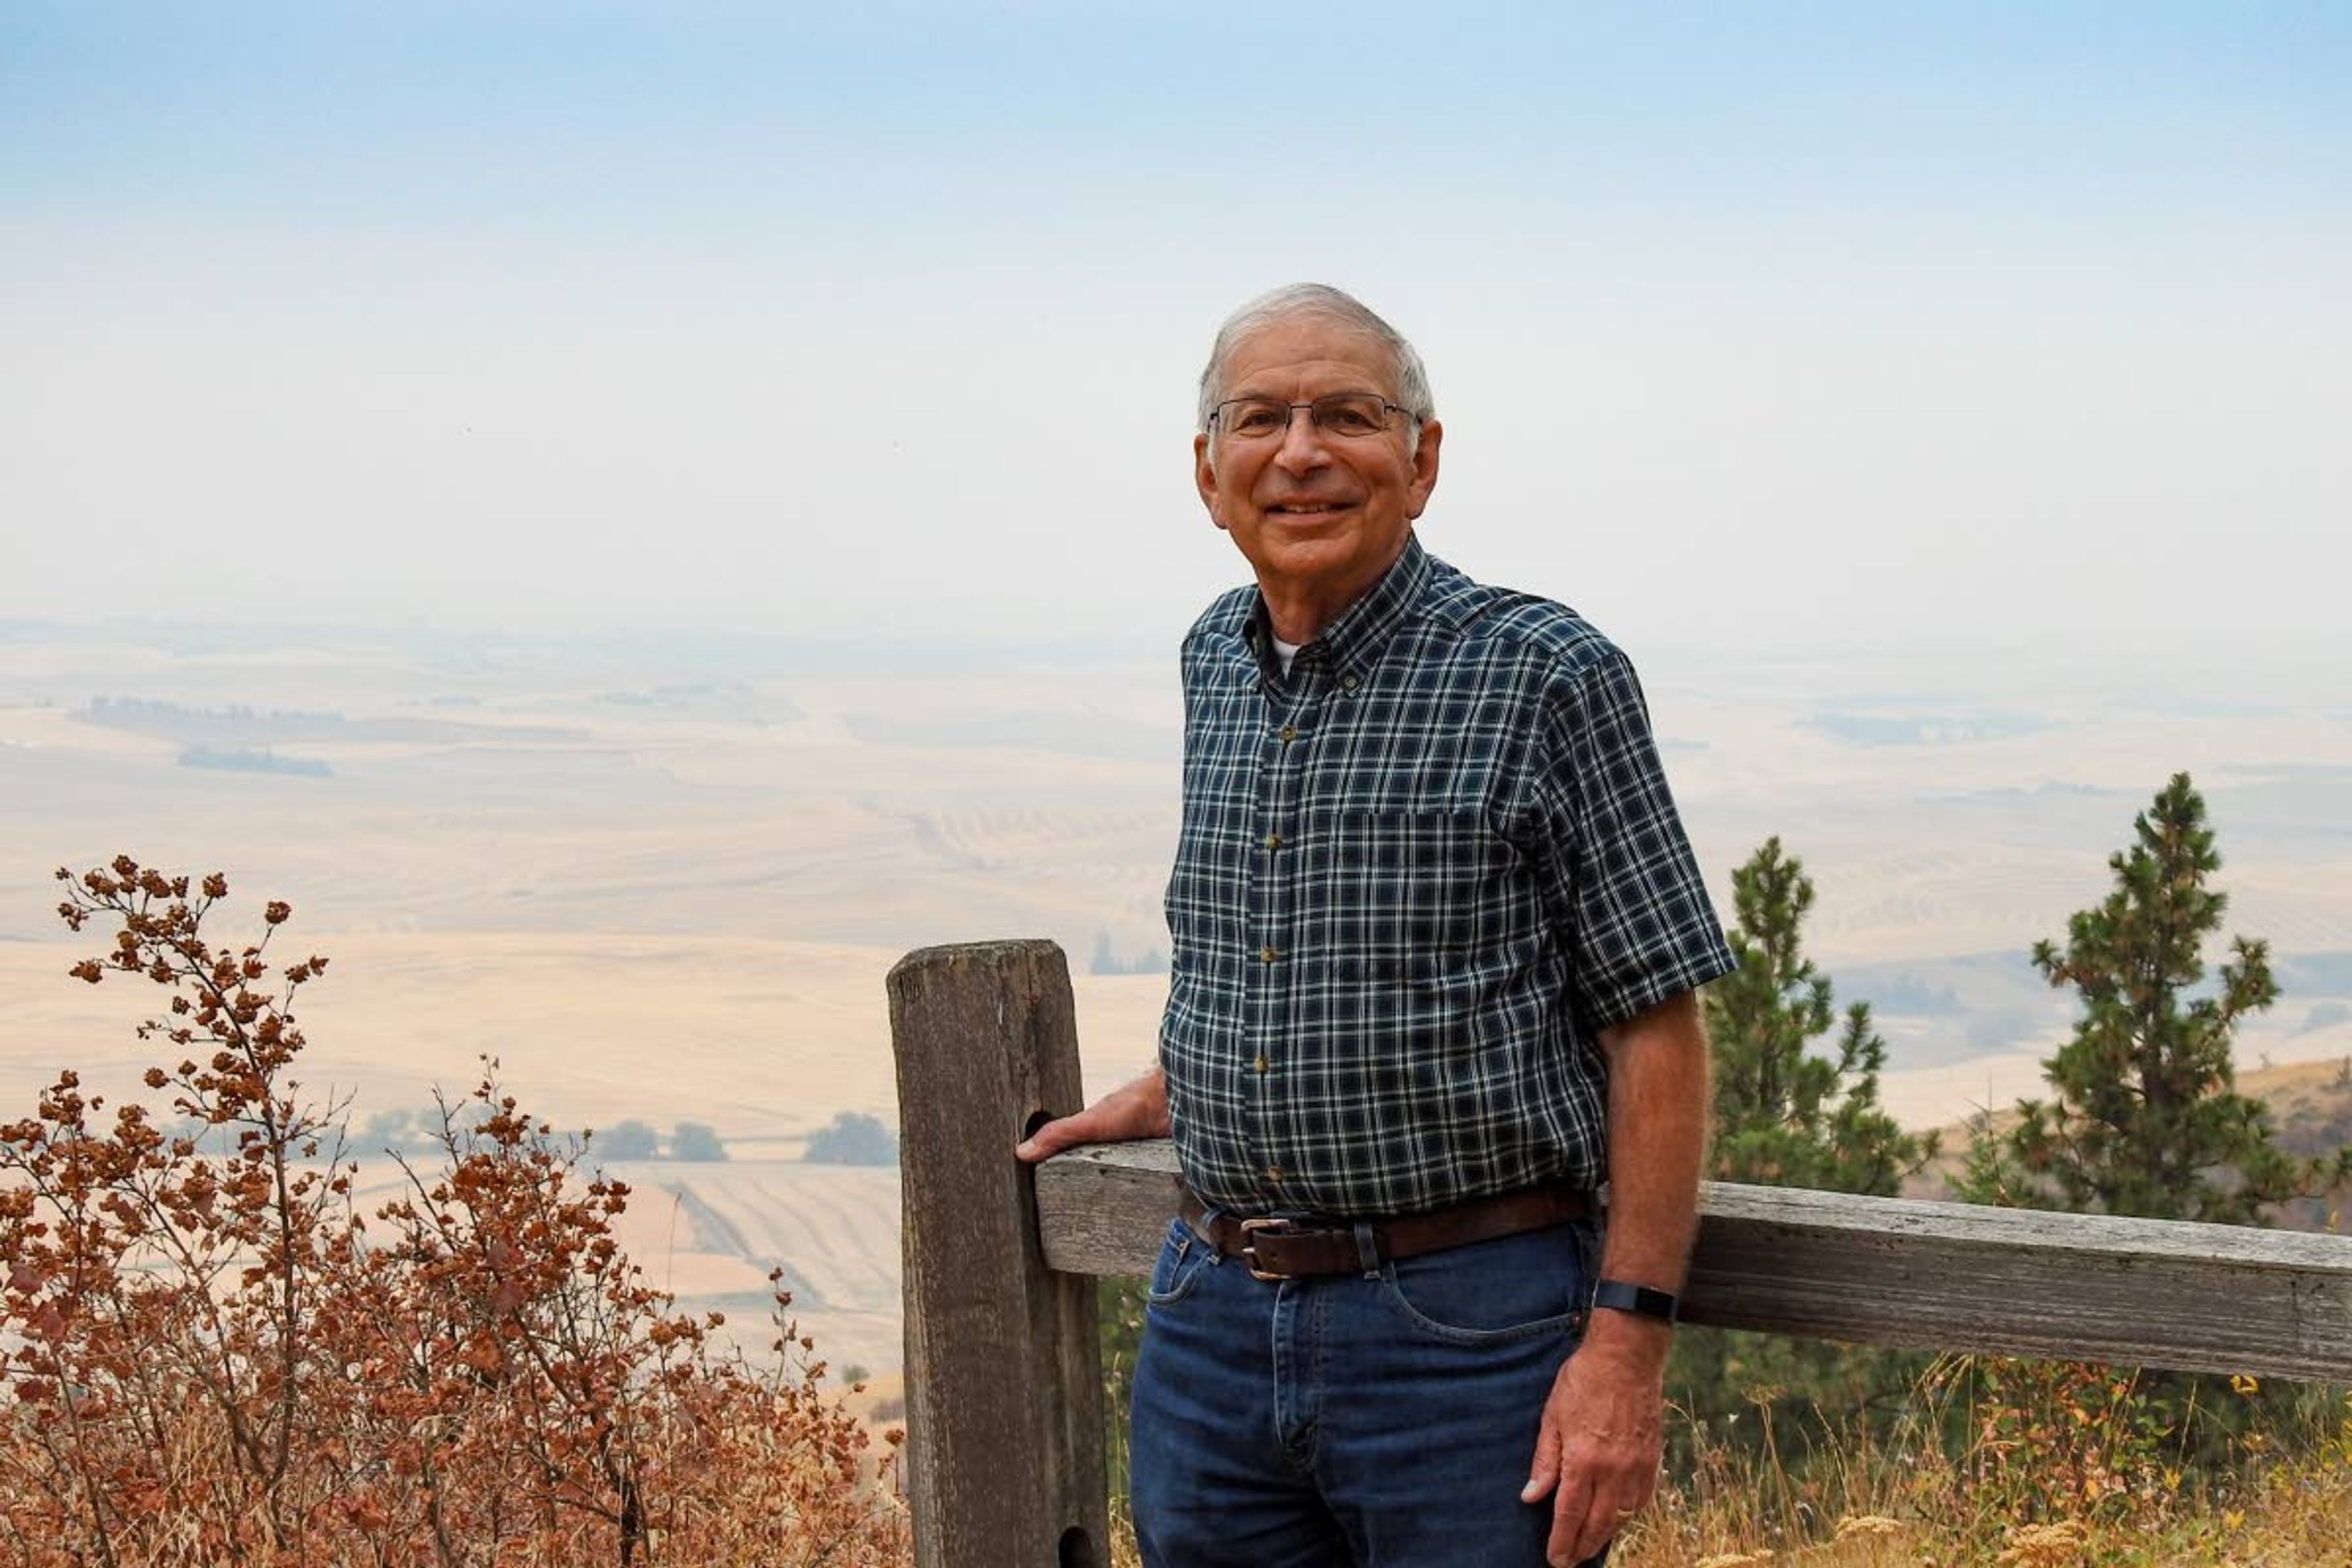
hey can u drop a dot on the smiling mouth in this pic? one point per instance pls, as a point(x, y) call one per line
point(1308, 508)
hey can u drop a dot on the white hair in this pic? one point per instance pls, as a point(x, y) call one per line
point(1321, 300)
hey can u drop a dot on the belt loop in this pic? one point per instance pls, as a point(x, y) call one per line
point(1368, 1247)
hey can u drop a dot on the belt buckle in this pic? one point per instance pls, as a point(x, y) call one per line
point(1250, 1228)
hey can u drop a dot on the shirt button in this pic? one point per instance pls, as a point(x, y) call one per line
point(1348, 682)
point(1289, 733)
point(1262, 1064)
point(1274, 1173)
point(1266, 955)
point(1274, 841)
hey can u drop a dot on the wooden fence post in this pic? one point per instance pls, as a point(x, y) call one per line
point(1005, 1433)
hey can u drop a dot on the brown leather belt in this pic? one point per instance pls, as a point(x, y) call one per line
point(1297, 1250)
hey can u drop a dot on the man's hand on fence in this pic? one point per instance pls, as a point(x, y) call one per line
point(1134, 1109)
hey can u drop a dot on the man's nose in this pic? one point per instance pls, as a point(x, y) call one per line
point(1302, 442)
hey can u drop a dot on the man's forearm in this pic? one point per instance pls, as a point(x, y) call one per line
point(1657, 1146)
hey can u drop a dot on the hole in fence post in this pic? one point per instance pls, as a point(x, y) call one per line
point(1076, 1549)
point(1036, 1118)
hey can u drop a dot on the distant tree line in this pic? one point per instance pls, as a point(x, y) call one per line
point(248, 759)
point(1106, 961)
point(407, 1132)
point(134, 713)
point(634, 1139)
point(852, 1138)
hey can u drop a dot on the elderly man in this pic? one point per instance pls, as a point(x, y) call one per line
point(1436, 931)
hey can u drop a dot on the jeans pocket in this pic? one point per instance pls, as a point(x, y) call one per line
point(1181, 1257)
point(1489, 1292)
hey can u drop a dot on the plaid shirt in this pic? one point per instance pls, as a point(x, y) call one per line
point(1415, 880)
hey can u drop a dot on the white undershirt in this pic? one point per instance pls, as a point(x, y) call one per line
point(1285, 651)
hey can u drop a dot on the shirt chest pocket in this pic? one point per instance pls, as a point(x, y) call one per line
point(1408, 884)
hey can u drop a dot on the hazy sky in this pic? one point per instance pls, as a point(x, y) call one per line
point(1749, 324)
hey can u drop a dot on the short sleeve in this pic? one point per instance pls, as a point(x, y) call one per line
point(1621, 885)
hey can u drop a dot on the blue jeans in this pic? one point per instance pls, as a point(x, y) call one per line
point(1382, 1419)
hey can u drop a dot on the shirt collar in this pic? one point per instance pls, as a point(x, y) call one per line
point(1352, 644)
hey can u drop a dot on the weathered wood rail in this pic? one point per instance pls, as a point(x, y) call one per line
point(1004, 1391)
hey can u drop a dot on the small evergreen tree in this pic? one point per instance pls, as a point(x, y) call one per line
point(1786, 1115)
point(2146, 1118)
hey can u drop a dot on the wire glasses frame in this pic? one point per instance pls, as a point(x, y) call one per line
point(1345, 415)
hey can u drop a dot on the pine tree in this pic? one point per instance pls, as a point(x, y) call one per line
point(1789, 1114)
point(1786, 1115)
point(2146, 1118)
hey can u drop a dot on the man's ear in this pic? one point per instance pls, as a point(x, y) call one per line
point(1204, 476)
point(1424, 468)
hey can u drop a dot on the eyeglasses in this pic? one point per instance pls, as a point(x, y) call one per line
point(1345, 416)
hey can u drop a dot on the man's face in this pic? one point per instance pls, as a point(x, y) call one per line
point(1320, 517)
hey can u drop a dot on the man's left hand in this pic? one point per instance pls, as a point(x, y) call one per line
point(1602, 1436)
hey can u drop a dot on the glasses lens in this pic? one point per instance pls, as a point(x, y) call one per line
point(1252, 419)
point(1348, 414)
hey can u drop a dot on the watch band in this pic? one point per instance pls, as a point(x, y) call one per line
point(1617, 1296)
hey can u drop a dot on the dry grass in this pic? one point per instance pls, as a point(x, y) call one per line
point(2083, 1495)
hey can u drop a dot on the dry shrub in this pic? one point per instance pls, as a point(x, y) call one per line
point(211, 1356)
